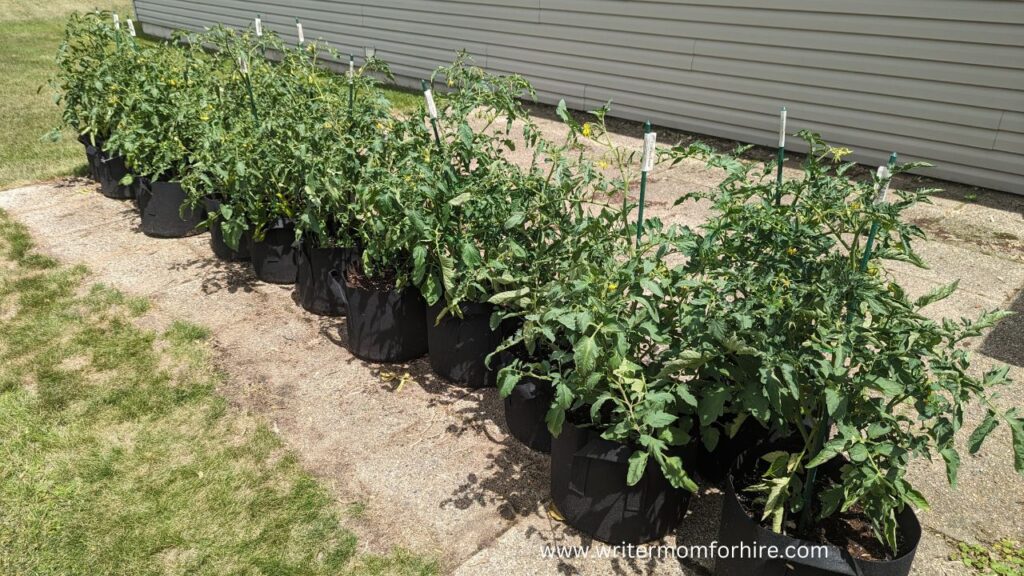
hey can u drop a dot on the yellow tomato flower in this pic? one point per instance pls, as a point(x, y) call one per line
point(586, 129)
point(791, 251)
point(612, 286)
point(328, 125)
point(602, 164)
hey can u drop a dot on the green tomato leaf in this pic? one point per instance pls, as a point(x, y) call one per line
point(419, 264)
point(981, 432)
point(585, 355)
point(937, 294)
point(637, 466)
point(460, 199)
point(952, 464)
point(508, 295)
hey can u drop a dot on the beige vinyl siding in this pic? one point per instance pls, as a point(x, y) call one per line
point(935, 80)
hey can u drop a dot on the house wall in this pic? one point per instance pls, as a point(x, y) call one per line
point(935, 80)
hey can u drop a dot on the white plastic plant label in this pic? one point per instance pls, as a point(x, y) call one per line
point(259, 26)
point(131, 28)
point(650, 139)
point(298, 27)
point(351, 66)
point(431, 106)
point(782, 128)
point(117, 22)
point(884, 176)
point(243, 65)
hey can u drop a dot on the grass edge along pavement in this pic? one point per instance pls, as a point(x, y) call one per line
point(117, 456)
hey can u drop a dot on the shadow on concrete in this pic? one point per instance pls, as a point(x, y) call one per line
point(1005, 342)
point(220, 275)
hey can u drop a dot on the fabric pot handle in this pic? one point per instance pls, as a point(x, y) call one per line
point(337, 286)
point(844, 564)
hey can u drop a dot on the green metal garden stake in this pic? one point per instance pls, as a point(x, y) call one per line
point(428, 95)
point(781, 156)
point(351, 81)
point(243, 66)
point(884, 177)
point(647, 163)
point(117, 30)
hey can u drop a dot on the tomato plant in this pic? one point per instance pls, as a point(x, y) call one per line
point(95, 72)
point(807, 333)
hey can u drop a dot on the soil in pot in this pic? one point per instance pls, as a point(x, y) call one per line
point(384, 324)
point(217, 243)
point(166, 212)
point(319, 290)
point(111, 169)
point(588, 486)
point(459, 346)
point(851, 548)
point(275, 258)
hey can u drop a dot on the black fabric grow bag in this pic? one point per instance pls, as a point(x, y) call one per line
point(736, 528)
point(525, 411)
point(385, 325)
point(217, 244)
point(111, 169)
point(165, 211)
point(141, 192)
point(314, 281)
point(588, 485)
point(275, 258)
point(713, 466)
point(459, 346)
point(91, 155)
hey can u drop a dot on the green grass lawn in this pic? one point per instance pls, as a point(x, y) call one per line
point(29, 35)
point(117, 457)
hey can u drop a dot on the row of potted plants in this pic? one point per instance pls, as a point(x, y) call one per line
point(769, 349)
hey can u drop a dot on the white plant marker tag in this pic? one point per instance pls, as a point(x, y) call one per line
point(243, 65)
point(782, 128)
point(650, 140)
point(351, 67)
point(298, 26)
point(431, 107)
point(117, 22)
point(131, 27)
point(884, 177)
point(259, 26)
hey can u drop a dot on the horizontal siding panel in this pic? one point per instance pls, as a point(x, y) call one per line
point(1012, 142)
point(413, 22)
point(994, 11)
point(1012, 122)
point(987, 76)
point(937, 80)
point(968, 53)
point(997, 98)
point(623, 89)
point(917, 26)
